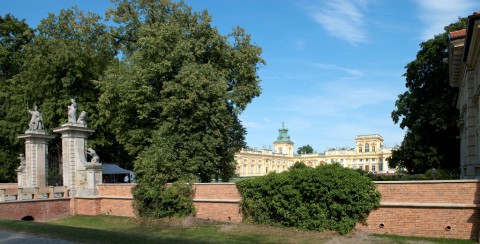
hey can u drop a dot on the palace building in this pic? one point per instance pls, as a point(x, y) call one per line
point(464, 73)
point(369, 154)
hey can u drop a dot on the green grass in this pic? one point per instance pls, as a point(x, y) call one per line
point(412, 239)
point(114, 229)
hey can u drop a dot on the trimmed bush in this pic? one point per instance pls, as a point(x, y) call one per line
point(328, 197)
point(165, 200)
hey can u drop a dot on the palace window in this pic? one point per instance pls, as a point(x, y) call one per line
point(380, 167)
point(367, 147)
point(373, 168)
point(360, 149)
point(373, 148)
point(259, 169)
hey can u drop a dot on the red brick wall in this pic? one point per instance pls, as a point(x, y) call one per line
point(86, 206)
point(115, 190)
point(217, 201)
point(423, 208)
point(444, 209)
point(38, 209)
point(8, 185)
point(217, 191)
point(117, 207)
point(453, 191)
point(226, 212)
point(212, 201)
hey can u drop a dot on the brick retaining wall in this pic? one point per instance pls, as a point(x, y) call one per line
point(38, 209)
point(8, 185)
point(217, 201)
point(214, 201)
point(447, 209)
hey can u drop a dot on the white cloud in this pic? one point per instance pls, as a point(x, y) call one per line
point(436, 14)
point(343, 19)
point(251, 124)
point(339, 68)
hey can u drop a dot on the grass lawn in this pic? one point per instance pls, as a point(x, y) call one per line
point(113, 229)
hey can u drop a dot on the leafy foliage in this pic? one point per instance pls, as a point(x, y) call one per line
point(14, 35)
point(428, 110)
point(328, 197)
point(307, 149)
point(60, 62)
point(173, 200)
point(179, 88)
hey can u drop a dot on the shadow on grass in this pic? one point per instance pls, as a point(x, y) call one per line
point(134, 234)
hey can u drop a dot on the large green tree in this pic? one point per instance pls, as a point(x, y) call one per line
point(174, 98)
point(14, 35)
point(180, 87)
point(427, 110)
point(70, 50)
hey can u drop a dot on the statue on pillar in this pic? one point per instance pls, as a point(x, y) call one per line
point(82, 119)
point(36, 122)
point(95, 158)
point(23, 163)
point(72, 112)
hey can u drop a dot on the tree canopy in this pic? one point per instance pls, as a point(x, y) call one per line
point(163, 87)
point(427, 110)
point(14, 36)
point(307, 149)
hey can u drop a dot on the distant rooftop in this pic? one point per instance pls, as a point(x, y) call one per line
point(369, 136)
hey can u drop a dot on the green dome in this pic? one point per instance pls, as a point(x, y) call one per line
point(283, 135)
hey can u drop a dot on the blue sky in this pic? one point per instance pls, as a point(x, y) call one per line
point(334, 68)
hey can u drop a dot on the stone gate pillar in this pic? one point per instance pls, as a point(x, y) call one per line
point(74, 149)
point(80, 176)
point(35, 171)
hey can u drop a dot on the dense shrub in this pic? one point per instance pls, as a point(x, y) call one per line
point(164, 200)
point(328, 197)
point(440, 174)
point(443, 174)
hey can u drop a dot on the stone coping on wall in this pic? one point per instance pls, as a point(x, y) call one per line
point(218, 200)
point(426, 181)
point(427, 205)
point(216, 183)
point(107, 197)
point(38, 200)
point(195, 200)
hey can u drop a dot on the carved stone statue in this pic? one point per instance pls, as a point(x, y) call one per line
point(36, 122)
point(22, 161)
point(95, 158)
point(82, 119)
point(72, 112)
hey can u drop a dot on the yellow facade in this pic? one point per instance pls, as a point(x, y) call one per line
point(370, 154)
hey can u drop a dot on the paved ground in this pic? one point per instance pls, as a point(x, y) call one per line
point(15, 237)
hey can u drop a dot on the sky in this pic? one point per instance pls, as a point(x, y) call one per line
point(334, 69)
